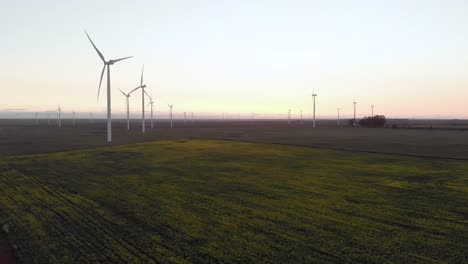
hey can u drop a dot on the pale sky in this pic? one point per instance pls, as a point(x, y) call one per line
point(407, 57)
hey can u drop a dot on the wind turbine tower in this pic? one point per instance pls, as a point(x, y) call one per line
point(372, 111)
point(59, 117)
point(185, 118)
point(313, 97)
point(289, 117)
point(127, 105)
point(151, 103)
point(170, 115)
point(73, 113)
point(338, 116)
point(354, 118)
point(106, 64)
point(301, 117)
point(37, 121)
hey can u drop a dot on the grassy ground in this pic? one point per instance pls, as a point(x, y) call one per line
point(229, 202)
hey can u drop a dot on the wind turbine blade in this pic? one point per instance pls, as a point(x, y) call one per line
point(100, 81)
point(114, 61)
point(122, 92)
point(141, 80)
point(147, 94)
point(98, 52)
point(134, 89)
point(149, 103)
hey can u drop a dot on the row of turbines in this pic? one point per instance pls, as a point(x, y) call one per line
point(314, 95)
point(59, 114)
point(142, 87)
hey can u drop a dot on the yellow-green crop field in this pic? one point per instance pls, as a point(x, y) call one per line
point(201, 201)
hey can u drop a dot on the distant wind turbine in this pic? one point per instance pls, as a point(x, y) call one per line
point(59, 117)
point(73, 113)
point(127, 104)
point(151, 103)
point(143, 92)
point(170, 106)
point(354, 120)
point(185, 118)
point(313, 97)
point(372, 111)
point(301, 117)
point(37, 121)
point(106, 64)
point(338, 116)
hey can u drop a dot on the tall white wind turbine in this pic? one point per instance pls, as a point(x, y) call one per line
point(170, 107)
point(313, 97)
point(143, 92)
point(127, 105)
point(354, 118)
point(372, 111)
point(338, 116)
point(73, 113)
point(301, 116)
point(151, 103)
point(59, 117)
point(106, 64)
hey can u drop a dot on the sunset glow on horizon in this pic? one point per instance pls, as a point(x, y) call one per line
point(408, 58)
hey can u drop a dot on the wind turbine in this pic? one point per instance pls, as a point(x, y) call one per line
point(73, 113)
point(127, 97)
point(301, 117)
point(143, 92)
point(170, 106)
point(313, 97)
point(151, 103)
point(106, 64)
point(37, 121)
point(372, 115)
point(338, 116)
point(185, 118)
point(354, 120)
point(59, 120)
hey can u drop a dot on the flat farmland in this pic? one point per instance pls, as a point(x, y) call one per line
point(209, 201)
point(23, 137)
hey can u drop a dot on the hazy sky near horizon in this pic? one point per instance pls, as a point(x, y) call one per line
point(407, 57)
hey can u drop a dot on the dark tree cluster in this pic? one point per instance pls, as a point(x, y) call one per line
point(374, 121)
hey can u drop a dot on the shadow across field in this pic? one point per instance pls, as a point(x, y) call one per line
point(20, 137)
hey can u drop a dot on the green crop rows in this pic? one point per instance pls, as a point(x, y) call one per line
point(228, 202)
